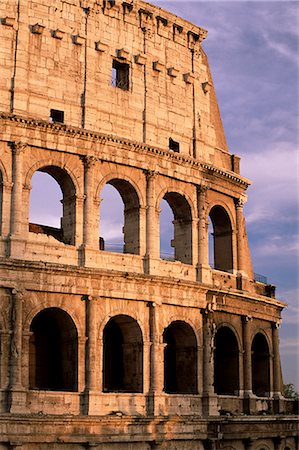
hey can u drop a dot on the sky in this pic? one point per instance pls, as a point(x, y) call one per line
point(253, 51)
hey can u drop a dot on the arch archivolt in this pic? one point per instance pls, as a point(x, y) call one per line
point(177, 190)
point(180, 318)
point(53, 162)
point(36, 309)
point(260, 330)
point(120, 175)
point(262, 445)
point(119, 312)
point(228, 325)
point(227, 209)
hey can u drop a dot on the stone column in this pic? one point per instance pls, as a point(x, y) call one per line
point(155, 385)
point(25, 359)
point(151, 222)
point(6, 208)
point(16, 400)
point(88, 222)
point(247, 366)
point(5, 338)
point(276, 360)
point(277, 396)
point(17, 190)
point(208, 398)
point(241, 263)
point(91, 360)
point(16, 340)
point(204, 272)
point(91, 320)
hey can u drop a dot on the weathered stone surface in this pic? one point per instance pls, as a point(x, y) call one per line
point(123, 351)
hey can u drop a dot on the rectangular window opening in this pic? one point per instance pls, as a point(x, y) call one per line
point(120, 75)
point(56, 115)
point(174, 146)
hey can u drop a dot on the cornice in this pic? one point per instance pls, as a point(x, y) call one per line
point(75, 132)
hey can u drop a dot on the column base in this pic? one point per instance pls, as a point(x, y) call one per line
point(151, 265)
point(155, 404)
point(210, 405)
point(17, 400)
point(278, 403)
point(90, 403)
point(249, 403)
point(15, 247)
point(87, 256)
point(204, 274)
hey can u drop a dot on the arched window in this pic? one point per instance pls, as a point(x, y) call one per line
point(53, 204)
point(226, 362)
point(181, 237)
point(53, 357)
point(222, 259)
point(123, 355)
point(260, 366)
point(119, 218)
point(180, 359)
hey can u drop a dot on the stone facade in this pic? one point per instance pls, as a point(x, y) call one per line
point(125, 351)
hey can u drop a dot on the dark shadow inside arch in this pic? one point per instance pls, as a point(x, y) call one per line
point(53, 351)
point(181, 238)
point(260, 366)
point(226, 362)
point(222, 239)
point(124, 215)
point(180, 359)
point(122, 355)
point(54, 216)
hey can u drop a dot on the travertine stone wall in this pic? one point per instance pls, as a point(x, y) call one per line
point(60, 56)
point(197, 346)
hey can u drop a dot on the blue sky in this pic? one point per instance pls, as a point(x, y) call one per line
point(253, 53)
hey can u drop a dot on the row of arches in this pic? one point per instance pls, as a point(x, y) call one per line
point(53, 356)
point(119, 224)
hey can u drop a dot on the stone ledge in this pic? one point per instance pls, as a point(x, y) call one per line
point(104, 138)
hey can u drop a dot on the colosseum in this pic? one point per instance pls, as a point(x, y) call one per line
point(127, 349)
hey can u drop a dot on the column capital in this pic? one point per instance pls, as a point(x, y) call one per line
point(18, 293)
point(90, 298)
point(240, 201)
point(88, 160)
point(203, 188)
point(246, 319)
point(17, 147)
point(276, 325)
point(150, 174)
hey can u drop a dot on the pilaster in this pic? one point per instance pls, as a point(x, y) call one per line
point(248, 397)
point(203, 267)
point(16, 392)
point(209, 399)
point(151, 222)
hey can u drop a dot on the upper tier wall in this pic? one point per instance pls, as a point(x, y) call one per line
point(59, 55)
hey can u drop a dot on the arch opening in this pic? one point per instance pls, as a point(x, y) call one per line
point(220, 240)
point(49, 214)
point(180, 359)
point(122, 355)
point(260, 366)
point(120, 218)
point(53, 351)
point(181, 234)
point(226, 362)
